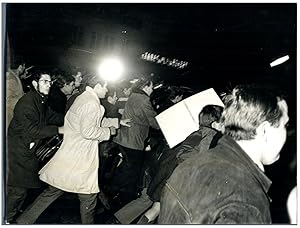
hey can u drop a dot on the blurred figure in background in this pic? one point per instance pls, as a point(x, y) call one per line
point(110, 104)
point(171, 96)
point(78, 77)
point(79, 88)
point(126, 90)
point(62, 88)
point(14, 88)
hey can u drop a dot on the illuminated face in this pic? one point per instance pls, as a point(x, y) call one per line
point(276, 137)
point(78, 79)
point(101, 90)
point(44, 84)
point(21, 69)
point(149, 89)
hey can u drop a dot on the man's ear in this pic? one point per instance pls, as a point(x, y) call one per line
point(262, 130)
point(35, 84)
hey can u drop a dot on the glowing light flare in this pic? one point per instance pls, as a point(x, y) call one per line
point(111, 69)
point(279, 60)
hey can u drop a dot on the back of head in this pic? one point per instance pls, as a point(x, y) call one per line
point(142, 83)
point(210, 114)
point(125, 84)
point(92, 80)
point(246, 107)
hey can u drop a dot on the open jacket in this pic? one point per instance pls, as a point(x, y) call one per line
point(74, 167)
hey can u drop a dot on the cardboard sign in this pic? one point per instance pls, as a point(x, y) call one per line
point(181, 119)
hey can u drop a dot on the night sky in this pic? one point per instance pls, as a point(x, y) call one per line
point(234, 41)
point(224, 44)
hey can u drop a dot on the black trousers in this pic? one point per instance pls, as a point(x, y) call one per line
point(129, 173)
point(15, 197)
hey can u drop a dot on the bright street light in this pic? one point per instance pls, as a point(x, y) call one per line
point(111, 69)
point(279, 61)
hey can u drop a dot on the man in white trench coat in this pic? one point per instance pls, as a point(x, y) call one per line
point(74, 167)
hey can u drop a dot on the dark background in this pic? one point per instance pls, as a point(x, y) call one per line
point(224, 44)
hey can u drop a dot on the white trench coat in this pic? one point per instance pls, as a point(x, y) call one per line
point(74, 167)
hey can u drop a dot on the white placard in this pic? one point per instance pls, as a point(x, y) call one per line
point(181, 119)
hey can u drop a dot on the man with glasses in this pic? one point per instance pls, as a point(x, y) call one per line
point(32, 121)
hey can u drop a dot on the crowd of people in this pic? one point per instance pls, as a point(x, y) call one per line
point(112, 150)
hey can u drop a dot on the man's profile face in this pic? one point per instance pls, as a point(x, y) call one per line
point(150, 88)
point(21, 69)
point(276, 137)
point(78, 79)
point(44, 84)
point(69, 88)
point(101, 90)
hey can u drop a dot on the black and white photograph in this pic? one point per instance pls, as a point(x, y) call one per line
point(149, 113)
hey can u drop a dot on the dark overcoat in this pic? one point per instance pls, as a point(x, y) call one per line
point(33, 121)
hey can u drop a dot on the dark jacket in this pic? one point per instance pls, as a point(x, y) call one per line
point(32, 121)
point(197, 143)
point(139, 109)
point(222, 186)
point(57, 100)
point(111, 110)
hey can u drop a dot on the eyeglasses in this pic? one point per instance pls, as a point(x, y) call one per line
point(46, 82)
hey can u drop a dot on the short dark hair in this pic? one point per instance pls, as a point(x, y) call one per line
point(142, 83)
point(125, 84)
point(210, 113)
point(62, 79)
point(246, 107)
point(37, 73)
